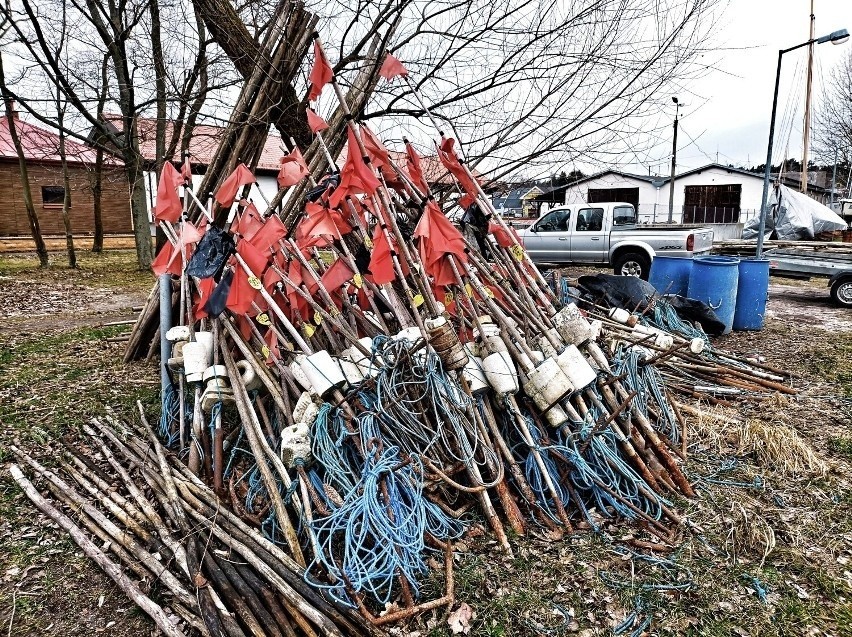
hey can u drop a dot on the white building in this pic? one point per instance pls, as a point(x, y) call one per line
point(717, 195)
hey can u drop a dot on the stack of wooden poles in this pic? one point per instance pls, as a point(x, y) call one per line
point(374, 385)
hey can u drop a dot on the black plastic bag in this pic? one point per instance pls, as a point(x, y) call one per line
point(693, 310)
point(211, 253)
point(610, 290)
point(219, 296)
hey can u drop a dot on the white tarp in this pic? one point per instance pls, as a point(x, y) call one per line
point(797, 218)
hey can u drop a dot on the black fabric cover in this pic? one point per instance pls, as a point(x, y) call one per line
point(634, 294)
point(211, 253)
point(216, 303)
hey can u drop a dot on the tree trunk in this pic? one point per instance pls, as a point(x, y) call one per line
point(35, 229)
point(66, 204)
point(138, 206)
point(66, 185)
point(97, 206)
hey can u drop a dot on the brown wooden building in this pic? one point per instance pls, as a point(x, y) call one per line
point(41, 148)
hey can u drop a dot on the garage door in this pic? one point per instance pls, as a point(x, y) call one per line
point(605, 195)
point(712, 204)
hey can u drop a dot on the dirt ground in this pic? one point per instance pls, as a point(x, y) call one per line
point(769, 551)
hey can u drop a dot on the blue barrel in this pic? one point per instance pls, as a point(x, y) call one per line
point(714, 281)
point(752, 293)
point(670, 275)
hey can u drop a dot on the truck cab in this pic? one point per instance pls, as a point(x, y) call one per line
point(607, 233)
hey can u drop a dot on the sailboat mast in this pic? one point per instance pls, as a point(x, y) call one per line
point(806, 134)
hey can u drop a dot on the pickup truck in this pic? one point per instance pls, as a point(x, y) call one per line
point(607, 233)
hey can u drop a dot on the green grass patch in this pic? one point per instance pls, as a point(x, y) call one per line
point(114, 269)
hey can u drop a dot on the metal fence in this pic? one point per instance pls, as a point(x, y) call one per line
point(659, 213)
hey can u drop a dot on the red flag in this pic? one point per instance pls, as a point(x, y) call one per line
point(272, 343)
point(267, 237)
point(315, 122)
point(189, 234)
point(466, 200)
point(356, 177)
point(415, 171)
point(338, 274)
point(205, 288)
point(186, 170)
point(249, 222)
point(377, 152)
point(321, 73)
point(169, 207)
point(271, 279)
point(241, 294)
point(294, 273)
point(168, 260)
point(392, 68)
point(438, 237)
point(448, 157)
point(254, 258)
point(381, 262)
point(227, 192)
point(504, 239)
point(293, 169)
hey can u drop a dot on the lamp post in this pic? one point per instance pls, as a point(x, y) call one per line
point(836, 37)
point(674, 160)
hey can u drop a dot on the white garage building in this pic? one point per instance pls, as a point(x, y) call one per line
point(713, 194)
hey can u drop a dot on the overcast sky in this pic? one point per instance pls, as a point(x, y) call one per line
point(728, 111)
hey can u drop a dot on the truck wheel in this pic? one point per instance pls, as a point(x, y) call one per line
point(841, 292)
point(632, 264)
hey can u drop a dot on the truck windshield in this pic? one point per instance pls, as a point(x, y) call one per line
point(623, 216)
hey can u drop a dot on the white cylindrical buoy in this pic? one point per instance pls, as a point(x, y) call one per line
point(323, 372)
point(296, 444)
point(696, 345)
point(196, 359)
point(301, 407)
point(576, 367)
point(299, 374)
point(500, 372)
point(369, 368)
point(556, 416)
point(250, 379)
point(178, 333)
point(474, 374)
point(351, 372)
point(619, 315)
point(214, 371)
point(572, 326)
point(547, 384)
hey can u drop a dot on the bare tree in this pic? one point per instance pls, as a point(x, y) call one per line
point(156, 61)
point(832, 129)
point(32, 217)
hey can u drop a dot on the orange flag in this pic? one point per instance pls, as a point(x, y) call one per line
point(315, 122)
point(438, 237)
point(376, 150)
point(356, 177)
point(227, 192)
point(448, 157)
point(392, 68)
point(415, 170)
point(293, 169)
point(169, 207)
point(321, 73)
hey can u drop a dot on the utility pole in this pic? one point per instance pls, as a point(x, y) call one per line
point(833, 178)
point(674, 162)
point(806, 135)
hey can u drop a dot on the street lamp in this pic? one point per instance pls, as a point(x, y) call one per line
point(836, 37)
point(674, 159)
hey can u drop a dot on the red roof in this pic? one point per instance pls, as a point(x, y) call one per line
point(42, 145)
point(205, 140)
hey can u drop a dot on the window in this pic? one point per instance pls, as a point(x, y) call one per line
point(554, 221)
point(590, 220)
point(52, 196)
point(623, 216)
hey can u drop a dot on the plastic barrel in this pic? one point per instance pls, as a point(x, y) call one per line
point(670, 275)
point(714, 281)
point(752, 292)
